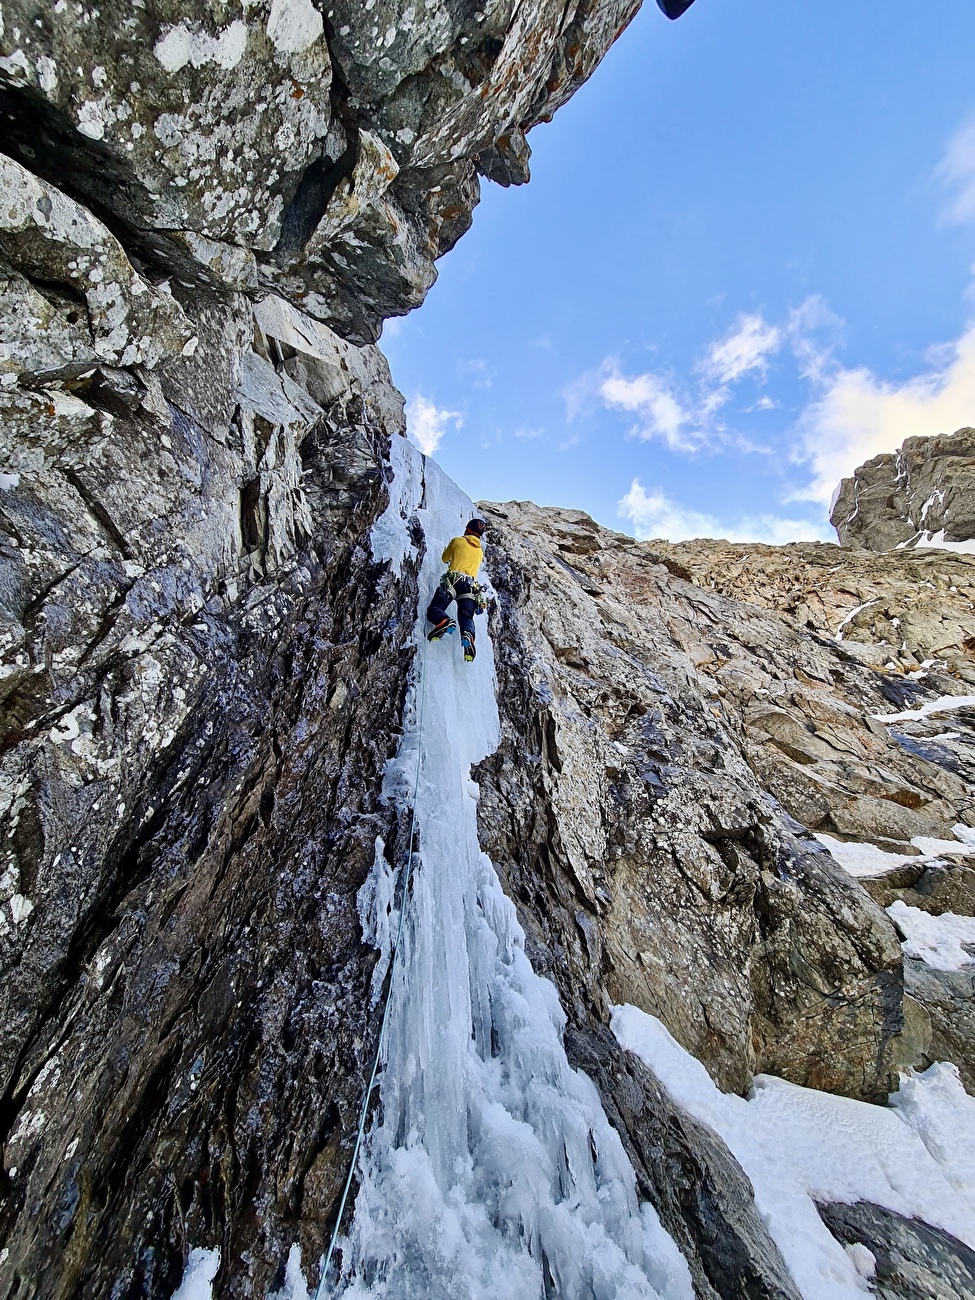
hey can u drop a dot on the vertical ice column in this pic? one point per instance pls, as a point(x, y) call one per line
point(491, 1171)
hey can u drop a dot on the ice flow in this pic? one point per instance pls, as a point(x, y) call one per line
point(491, 1171)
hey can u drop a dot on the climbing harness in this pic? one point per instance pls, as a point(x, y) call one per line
point(404, 898)
point(449, 583)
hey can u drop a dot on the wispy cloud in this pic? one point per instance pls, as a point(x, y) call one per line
point(653, 514)
point(427, 423)
point(745, 349)
point(688, 417)
point(652, 399)
point(481, 374)
point(529, 435)
point(856, 415)
point(956, 171)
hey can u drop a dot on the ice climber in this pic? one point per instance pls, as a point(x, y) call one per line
point(462, 556)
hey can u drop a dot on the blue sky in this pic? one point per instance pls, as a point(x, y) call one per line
point(742, 266)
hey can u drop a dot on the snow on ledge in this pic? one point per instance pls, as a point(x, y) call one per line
point(861, 859)
point(936, 541)
point(943, 704)
point(945, 942)
point(799, 1146)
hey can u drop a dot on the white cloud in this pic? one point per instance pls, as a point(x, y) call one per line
point(652, 398)
point(427, 423)
point(529, 435)
point(688, 423)
point(653, 514)
point(957, 171)
point(858, 415)
point(746, 348)
point(814, 333)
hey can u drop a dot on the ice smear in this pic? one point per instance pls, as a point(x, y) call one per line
point(201, 1269)
point(491, 1171)
point(946, 942)
point(390, 539)
point(799, 1146)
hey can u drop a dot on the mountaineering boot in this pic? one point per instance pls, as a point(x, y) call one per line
point(441, 629)
point(468, 643)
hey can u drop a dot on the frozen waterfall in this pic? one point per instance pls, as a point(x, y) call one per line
point(490, 1171)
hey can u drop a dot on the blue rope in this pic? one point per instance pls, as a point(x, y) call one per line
point(404, 897)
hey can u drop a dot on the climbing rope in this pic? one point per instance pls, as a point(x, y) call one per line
point(404, 897)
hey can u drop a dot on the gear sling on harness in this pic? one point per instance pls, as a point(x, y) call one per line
point(469, 595)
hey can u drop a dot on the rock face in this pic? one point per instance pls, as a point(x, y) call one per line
point(922, 493)
point(201, 657)
point(913, 1261)
point(205, 215)
point(625, 812)
point(882, 635)
point(331, 156)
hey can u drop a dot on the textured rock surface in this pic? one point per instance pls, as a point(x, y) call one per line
point(944, 1016)
point(648, 862)
point(203, 677)
point(330, 154)
point(913, 1260)
point(906, 497)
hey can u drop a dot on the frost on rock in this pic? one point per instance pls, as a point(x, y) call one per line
point(493, 1173)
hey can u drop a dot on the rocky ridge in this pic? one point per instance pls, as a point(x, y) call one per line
point(920, 494)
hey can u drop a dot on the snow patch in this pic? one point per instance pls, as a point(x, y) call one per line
point(936, 542)
point(943, 704)
point(861, 859)
point(946, 942)
point(201, 1269)
point(9, 481)
point(799, 1146)
point(293, 25)
point(864, 859)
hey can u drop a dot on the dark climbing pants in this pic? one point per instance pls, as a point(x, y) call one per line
point(461, 590)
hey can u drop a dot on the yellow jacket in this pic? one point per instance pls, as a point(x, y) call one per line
point(464, 555)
